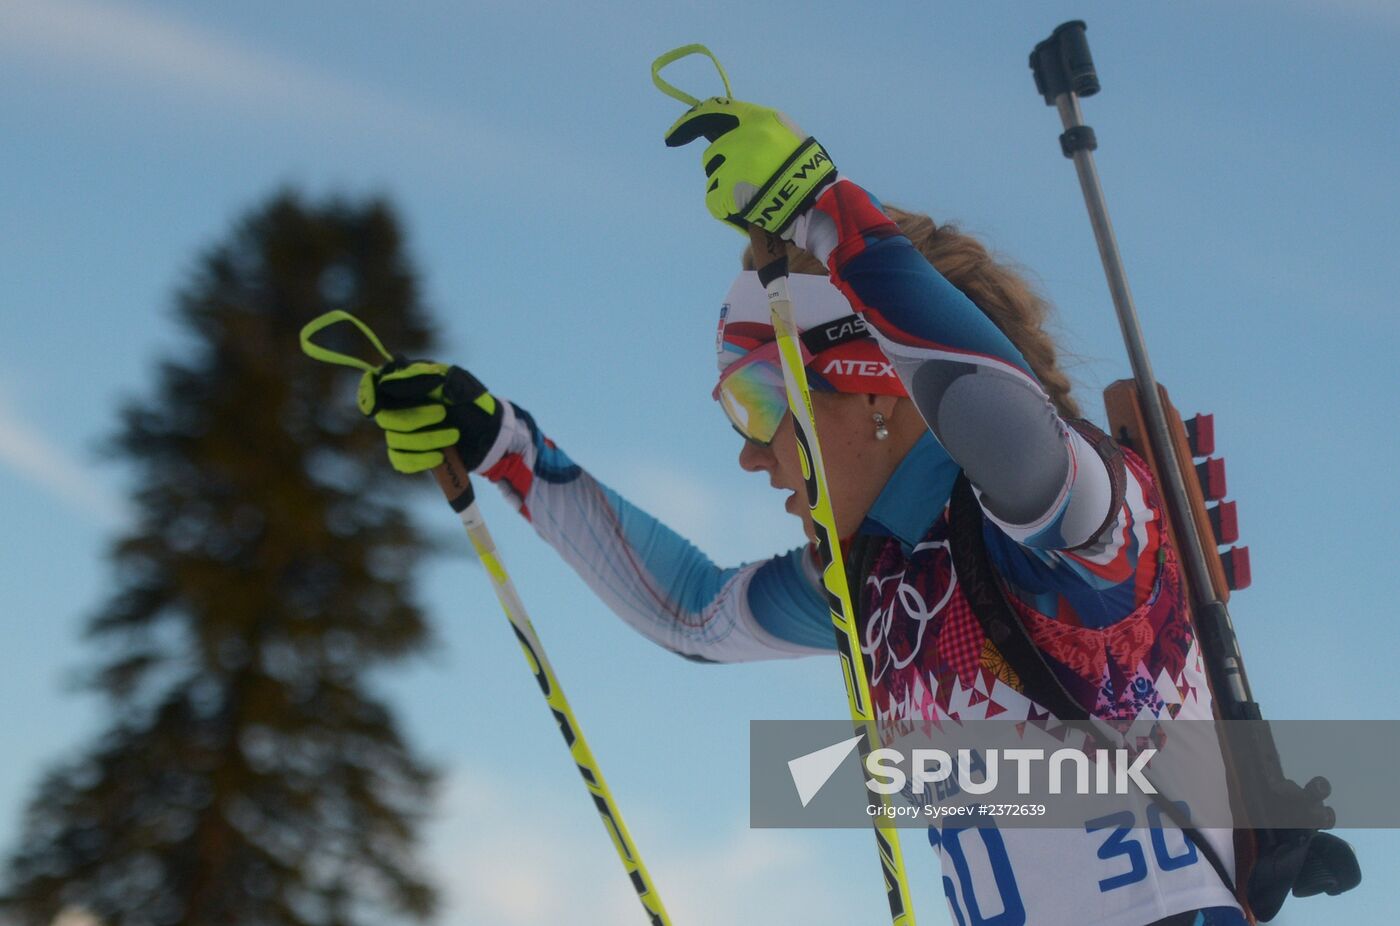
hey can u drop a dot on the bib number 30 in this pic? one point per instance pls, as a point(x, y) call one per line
point(1122, 844)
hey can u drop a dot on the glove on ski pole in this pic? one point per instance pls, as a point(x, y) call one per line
point(763, 175)
point(413, 402)
point(762, 170)
point(425, 408)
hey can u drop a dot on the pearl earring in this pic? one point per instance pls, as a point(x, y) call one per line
point(881, 432)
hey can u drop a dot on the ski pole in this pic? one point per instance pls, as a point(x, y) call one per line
point(454, 480)
point(770, 259)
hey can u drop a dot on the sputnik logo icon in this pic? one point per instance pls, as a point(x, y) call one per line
point(811, 772)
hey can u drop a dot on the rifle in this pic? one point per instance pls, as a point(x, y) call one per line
point(1270, 863)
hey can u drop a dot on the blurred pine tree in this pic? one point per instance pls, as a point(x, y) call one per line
point(248, 775)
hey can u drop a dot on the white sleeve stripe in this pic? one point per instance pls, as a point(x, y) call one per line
point(508, 439)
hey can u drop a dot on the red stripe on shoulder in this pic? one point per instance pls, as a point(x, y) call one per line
point(858, 221)
point(516, 474)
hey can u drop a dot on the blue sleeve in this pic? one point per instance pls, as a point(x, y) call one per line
point(899, 293)
point(787, 604)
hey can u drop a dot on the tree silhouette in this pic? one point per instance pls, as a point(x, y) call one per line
point(248, 776)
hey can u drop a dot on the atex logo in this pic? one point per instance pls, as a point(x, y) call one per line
point(860, 368)
point(1118, 771)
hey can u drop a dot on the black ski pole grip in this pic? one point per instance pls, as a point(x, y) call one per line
point(1062, 63)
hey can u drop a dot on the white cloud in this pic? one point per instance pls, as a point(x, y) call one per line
point(37, 459)
point(170, 57)
point(515, 854)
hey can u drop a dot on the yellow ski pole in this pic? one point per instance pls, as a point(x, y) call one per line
point(454, 480)
point(770, 259)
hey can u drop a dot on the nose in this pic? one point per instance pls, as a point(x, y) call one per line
point(756, 458)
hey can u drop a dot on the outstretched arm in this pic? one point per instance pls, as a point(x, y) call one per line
point(653, 578)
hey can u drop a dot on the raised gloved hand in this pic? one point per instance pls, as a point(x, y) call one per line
point(424, 408)
point(763, 172)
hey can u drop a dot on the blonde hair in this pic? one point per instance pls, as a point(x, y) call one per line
point(995, 288)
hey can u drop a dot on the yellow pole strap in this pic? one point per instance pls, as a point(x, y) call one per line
point(317, 352)
point(677, 54)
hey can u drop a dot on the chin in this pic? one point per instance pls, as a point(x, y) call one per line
point(798, 509)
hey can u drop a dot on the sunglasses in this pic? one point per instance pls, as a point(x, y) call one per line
point(752, 393)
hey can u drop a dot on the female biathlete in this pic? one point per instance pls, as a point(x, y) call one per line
point(927, 361)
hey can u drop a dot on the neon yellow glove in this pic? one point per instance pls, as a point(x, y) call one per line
point(762, 170)
point(424, 408)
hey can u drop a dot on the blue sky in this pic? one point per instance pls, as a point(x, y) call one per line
point(1249, 155)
